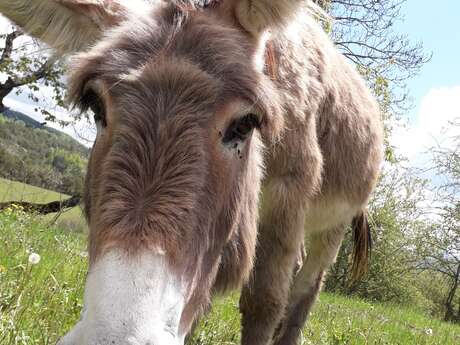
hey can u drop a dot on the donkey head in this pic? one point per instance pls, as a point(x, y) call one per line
point(182, 108)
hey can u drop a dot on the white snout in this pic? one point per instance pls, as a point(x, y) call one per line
point(130, 301)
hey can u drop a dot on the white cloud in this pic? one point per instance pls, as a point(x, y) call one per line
point(4, 23)
point(437, 109)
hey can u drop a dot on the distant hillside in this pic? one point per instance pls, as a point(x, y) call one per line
point(16, 115)
point(30, 122)
point(39, 155)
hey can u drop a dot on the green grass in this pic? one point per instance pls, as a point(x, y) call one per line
point(343, 320)
point(39, 303)
point(339, 320)
point(16, 191)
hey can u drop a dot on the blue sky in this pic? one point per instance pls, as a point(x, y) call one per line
point(437, 25)
point(436, 90)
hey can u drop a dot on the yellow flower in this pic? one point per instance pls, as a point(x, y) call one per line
point(2, 269)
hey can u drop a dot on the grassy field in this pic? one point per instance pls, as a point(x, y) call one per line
point(39, 302)
point(15, 191)
point(338, 320)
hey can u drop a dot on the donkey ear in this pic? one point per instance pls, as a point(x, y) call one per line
point(66, 25)
point(257, 16)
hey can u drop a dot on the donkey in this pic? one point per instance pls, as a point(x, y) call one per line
point(202, 106)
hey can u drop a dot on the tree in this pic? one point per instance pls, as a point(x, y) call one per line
point(364, 31)
point(25, 64)
point(396, 216)
point(440, 244)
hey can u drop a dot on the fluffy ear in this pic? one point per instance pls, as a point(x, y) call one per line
point(67, 25)
point(257, 16)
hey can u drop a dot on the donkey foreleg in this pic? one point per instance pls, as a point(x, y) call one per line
point(307, 284)
point(264, 298)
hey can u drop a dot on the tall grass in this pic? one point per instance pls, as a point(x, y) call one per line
point(40, 301)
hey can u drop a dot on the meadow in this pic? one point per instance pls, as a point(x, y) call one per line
point(70, 219)
point(42, 272)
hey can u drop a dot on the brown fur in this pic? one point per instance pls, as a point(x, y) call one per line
point(161, 178)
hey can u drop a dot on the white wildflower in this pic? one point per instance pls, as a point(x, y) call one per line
point(34, 258)
point(84, 254)
point(429, 331)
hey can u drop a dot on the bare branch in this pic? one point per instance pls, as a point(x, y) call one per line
point(52, 207)
point(8, 49)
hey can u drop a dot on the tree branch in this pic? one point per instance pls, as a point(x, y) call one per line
point(7, 87)
point(8, 49)
point(51, 207)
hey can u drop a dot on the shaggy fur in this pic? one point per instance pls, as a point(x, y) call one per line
point(68, 25)
point(161, 177)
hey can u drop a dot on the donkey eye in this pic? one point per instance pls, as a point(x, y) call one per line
point(92, 101)
point(241, 128)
